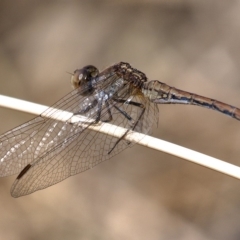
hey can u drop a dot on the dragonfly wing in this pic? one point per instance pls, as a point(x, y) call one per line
point(27, 142)
point(16, 147)
point(85, 148)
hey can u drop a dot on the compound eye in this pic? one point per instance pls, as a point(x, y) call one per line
point(84, 75)
point(75, 79)
point(91, 71)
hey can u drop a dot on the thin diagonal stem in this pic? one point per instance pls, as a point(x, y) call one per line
point(147, 141)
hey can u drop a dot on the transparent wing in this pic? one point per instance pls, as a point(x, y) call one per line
point(25, 143)
point(16, 147)
point(83, 151)
point(53, 150)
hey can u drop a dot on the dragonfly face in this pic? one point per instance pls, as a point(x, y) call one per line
point(82, 79)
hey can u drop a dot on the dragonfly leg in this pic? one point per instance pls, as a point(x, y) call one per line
point(129, 118)
point(120, 100)
point(128, 102)
point(140, 116)
point(123, 113)
point(99, 111)
point(85, 110)
point(109, 112)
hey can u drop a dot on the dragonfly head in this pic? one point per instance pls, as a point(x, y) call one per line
point(81, 78)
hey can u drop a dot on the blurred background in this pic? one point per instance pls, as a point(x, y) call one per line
point(141, 193)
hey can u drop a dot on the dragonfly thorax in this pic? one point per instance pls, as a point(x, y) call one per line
point(130, 74)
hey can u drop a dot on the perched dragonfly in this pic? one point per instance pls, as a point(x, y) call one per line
point(45, 151)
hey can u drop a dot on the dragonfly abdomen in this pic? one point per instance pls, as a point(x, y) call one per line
point(161, 93)
point(216, 105)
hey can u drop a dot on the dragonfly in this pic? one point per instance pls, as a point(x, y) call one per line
point(46, 150)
